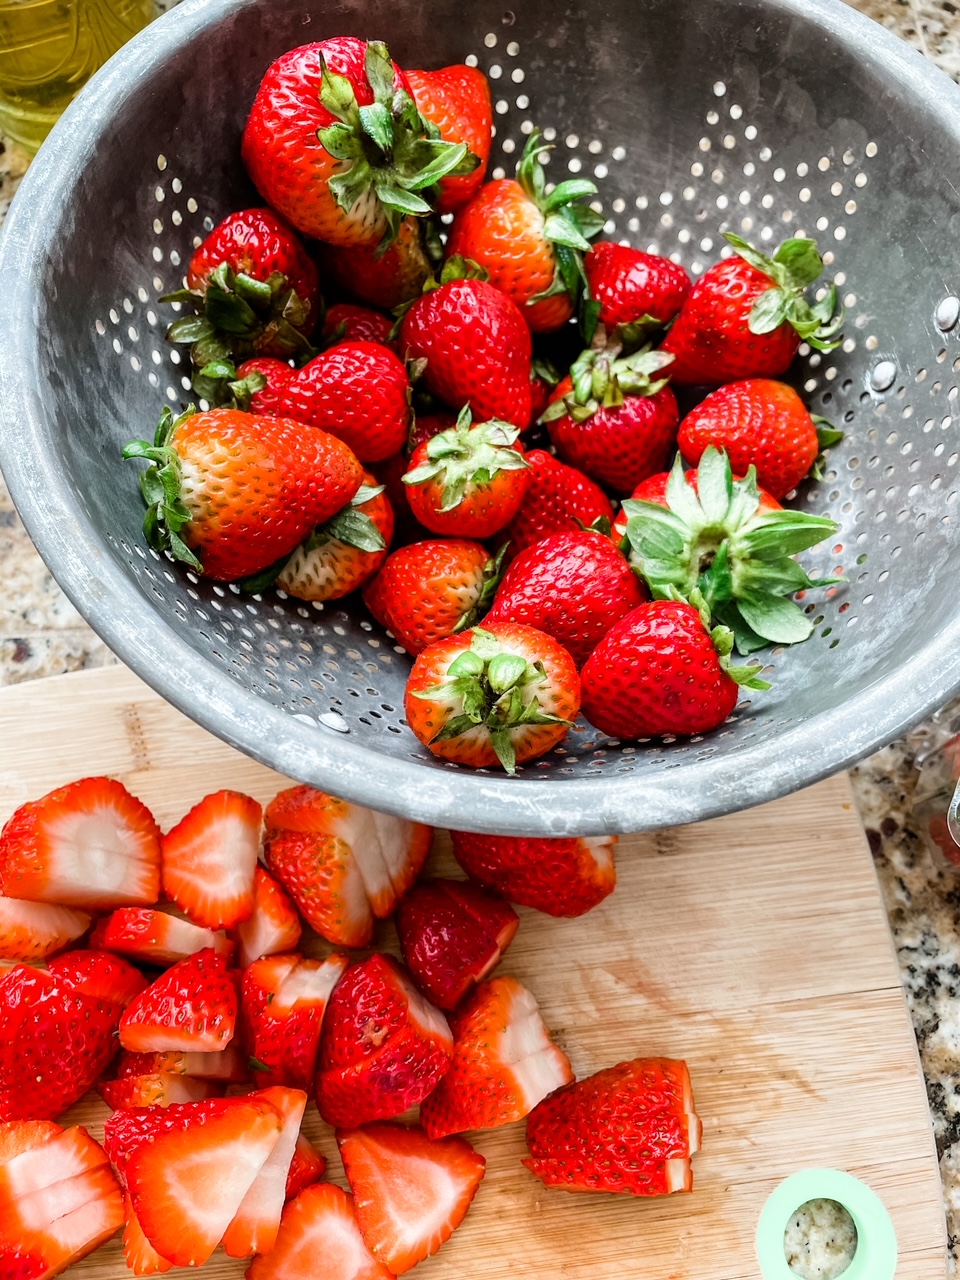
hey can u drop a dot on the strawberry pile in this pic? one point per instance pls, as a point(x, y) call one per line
point(169, 971)
point(450, 433)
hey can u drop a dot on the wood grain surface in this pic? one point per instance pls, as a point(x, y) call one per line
point(754, 946)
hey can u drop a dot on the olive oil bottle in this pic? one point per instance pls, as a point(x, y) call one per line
point(48, 51)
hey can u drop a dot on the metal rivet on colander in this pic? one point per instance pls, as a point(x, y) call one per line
point(333, 720)
point(948, 313)
point(883, 375)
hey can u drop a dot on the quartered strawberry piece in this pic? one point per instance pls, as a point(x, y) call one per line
point(631, 1128)
point(283, 1003)
point(562, 876)
point(17, 1136)
point(410, 1193)
point(90, 844)
point(191, 1007)
point(273, 926)
point(43, 1165)
point(140, 1255)
point(504, 1062)
point(382, 1046)
point(320, 1223)
point(99, 974)
point(307, 1167)
point(65, 1241)
point(34, 930)
point(209, 857)
point(256, 1223)
point(155, 936)
point(157, 1090)
point(452, 935)
point(228, 1065)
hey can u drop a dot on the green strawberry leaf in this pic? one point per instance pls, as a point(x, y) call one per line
point(801, 261)
point(257, 583)
point(378, 124)
point(559, 229)
point(774, 618)
point(769, 311)
point(566, 192)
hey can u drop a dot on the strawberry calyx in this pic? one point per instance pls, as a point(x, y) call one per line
point(602, 379)
point(492, 573)
point(466, 455)
point(389, 151)
point(160, 483)
point(716, 543)
point(723, 641)
point(827, 437)
point(795, 265)
point(496, 690)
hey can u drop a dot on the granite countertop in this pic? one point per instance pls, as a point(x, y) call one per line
point(41, 634)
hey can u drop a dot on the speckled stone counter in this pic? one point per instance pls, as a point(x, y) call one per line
point(41, 634)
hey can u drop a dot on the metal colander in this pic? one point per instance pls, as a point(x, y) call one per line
point(768, 117)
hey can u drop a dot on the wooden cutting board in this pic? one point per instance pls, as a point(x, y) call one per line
point(754, 946)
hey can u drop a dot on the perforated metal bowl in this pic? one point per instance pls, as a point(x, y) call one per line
point(772, 117)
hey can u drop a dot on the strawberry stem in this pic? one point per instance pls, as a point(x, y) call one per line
point(600, 380)
point(795, 265)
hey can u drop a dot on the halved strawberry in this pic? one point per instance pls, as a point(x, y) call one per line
point(410, 1193)
point(283, 1002)
point(99, 974)
point(561, 876)
point(273, 926)
point(257, 1221)
point(504, 1062)
point(90, 844)
point(158, 1090)
point(320, 1223)
point(34, 1212)
point(452, 934)
point(140, 1255)
point(307, 1167)
point(228, 1065)
point(193, 1006)
point(65, 1241)
point(43, 1165)
point(35, 930)
point(155, 936)
point(209, 857)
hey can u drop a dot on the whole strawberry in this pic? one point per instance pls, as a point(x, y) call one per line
point(630, 287)
point(559, 876)
point(346, 322)
point(559, 499)
point(336, 171)
point(468, 480)
point(477, 346)
point(760, 423)
point(433, 589)
point(530, 243)
point(381, 279)
point(612, 421)
point(660, 671)
point(238, 489)
point(573, 585)
point(457, 101)
point(506, 694)
point(746, 316)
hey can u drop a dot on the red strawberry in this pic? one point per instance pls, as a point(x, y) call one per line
point(274, 925)
point(382, 1046)
point(477, 347)
point(307, 1167)
point(191, 1168)
point(654, 489)
point(390, 473)
point(191, 1007)
point(139, 1254)
point(283, 1002)
point(90, 844)
point(558, 499)
point(457, 100)
point(504, 1062)
point(99, 974)
point(256, 1223)
point(17, 1136)
point(612, 421)
point(506, 693)
point(70, 1238)
point(55, 1042)
point(528, 242)
point(410, 1193)
point(155, 937)
point(307, 118)
point(745, 317)
point(631, 287)
point(266, 378)
point(250, 488)
point(159, 1090)
point(341, 555)
point(319, 1224)
point(451, 936)
point(562, 877)
point(468, 481)
point(34, 930)
point(319, 871)
point(631, 1128)
point(44, 1162)
point(229, 1065)
point(541, 389)
point(574, 586)
point(430, 590)
point(209, 859)
point(346, 322)
point(382, 279)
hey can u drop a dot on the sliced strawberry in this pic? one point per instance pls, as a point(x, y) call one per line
point(410, 1193)
point(257, 1221)
point(42, 1167)
point(187, 1182)
point(565, 876)
point(141, 1257)
point(191, 1007)
point(17, 1136)
point(321, 875)
point(64, 1242)
point(90, 844)
point(283, 1003)
point(504, 1062)
point(35, 1212)
point(35, 930)
point(99, 974)
point(155, 936)
point(158, 1090)
point(320, 1223)
point(307, 1167)
point(452, 934)
point(274, 926)
point(228, 1065)
point(209, 859)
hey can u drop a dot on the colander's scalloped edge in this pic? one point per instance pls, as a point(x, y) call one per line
point(525, 805)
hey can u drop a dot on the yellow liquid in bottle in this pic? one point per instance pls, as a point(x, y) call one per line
point(48, 51)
